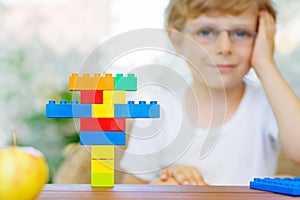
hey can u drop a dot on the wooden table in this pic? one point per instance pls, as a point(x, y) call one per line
point(84, 191)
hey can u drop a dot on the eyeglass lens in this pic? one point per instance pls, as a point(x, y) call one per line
point(237, 34)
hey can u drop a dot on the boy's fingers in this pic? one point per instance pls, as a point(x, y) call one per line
point(267, 22)
point(199, 177)
point(262, 22)
point(184, 177)
point(192, 179)
point(271, 25)
point(164, 174)
point(181, 179)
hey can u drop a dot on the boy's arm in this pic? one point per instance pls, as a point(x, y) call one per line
point(284, 102)
point(286, 107)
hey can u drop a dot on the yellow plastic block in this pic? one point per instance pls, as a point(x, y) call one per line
point(114, 97)
point(102, 166)
point(103, 110)
point(103, 152)
point(102, 179)
point(87, 82)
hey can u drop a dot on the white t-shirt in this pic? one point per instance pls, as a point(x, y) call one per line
point(245, 147)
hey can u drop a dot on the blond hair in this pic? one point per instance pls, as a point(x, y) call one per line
point(179, 11)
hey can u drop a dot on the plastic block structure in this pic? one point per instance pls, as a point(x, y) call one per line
point(68, 110)
point(103, 112)
point(141, 110)
point(114, 97)
point(85, 82)
point(102, 124)
point(91, 96)
point(102, 138)
point(102, 166)
point(103, 152)
point(288, 186)
point(125, 83)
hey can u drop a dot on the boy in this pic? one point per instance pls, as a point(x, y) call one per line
point(256, 119)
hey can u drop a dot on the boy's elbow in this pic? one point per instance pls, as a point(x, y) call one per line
point(296, 160)
point(291, 149)
point(294, 156)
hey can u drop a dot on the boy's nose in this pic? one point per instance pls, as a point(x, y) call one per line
point(223, 44)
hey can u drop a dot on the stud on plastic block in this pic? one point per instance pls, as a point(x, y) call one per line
point(102, 138)
point(87, 82)
point(141, 110)
point(128, 83)
point(102, 124)
point(68, 110)
point(91, 96)
point(289, 186)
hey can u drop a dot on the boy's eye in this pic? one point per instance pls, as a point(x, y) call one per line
point(205, 32)
point(241, 33)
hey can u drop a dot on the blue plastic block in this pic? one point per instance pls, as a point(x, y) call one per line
point(128, 83)
point(141, 110)
point(289, 186)
point(102, 138)
point(68, 110)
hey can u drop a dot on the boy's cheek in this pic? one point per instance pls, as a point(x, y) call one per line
point(196, 53)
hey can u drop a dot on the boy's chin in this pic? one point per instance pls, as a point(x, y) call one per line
point(222, 86)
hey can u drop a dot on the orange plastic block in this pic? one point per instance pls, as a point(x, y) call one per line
point(87, 82)
point(106, 83)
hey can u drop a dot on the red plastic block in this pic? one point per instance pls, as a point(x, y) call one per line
point(91, 96)
point(102, 124)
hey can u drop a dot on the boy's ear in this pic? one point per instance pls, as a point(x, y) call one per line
point(175, 38)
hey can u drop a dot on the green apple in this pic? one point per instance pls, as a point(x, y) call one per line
point(23, 173)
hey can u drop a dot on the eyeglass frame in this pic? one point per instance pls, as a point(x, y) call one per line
point(217, 31)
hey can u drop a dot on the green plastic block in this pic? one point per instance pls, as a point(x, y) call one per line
point(128, 83)
point(102, 180)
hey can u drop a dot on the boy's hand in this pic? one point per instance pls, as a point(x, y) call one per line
point(263, 49)
point(169, 181)
point(184, 175)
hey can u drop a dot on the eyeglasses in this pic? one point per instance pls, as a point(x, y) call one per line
point(208, 34)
